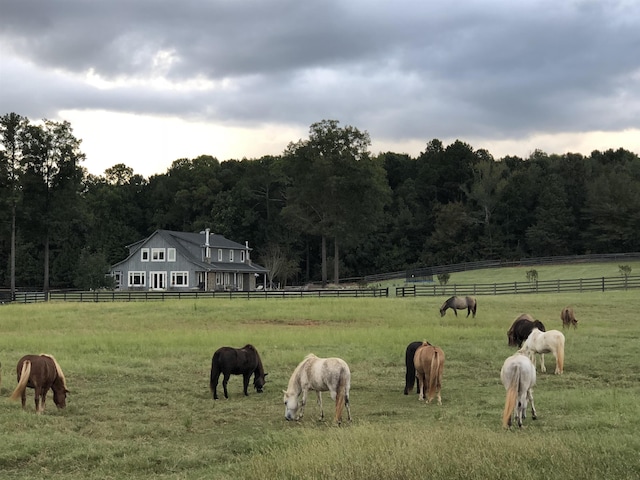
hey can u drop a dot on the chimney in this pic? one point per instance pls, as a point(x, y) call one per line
point(206, 237)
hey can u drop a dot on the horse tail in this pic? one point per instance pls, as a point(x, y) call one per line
point(341, 395)
point(512, 396)
point(475, 306)
point(433, 375)
point(24, 379)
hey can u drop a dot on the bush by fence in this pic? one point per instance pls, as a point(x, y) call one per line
point(549, 286)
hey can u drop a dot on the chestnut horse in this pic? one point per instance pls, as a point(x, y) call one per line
point(410, 377)
point(568, 318)
point(40, 372)
point(429, 363)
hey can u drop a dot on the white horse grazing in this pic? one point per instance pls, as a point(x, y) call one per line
point(321, 375)
point(518, 376)
point(545, 342)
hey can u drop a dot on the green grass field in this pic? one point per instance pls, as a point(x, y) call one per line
point(140, 405)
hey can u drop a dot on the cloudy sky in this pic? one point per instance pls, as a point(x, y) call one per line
point(145, 82)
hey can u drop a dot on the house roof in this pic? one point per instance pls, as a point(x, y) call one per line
point(182, 241)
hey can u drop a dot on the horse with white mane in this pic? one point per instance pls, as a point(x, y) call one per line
point(518, 376)
point(320, 375)
point(545, 342)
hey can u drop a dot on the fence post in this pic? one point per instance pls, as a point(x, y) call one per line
point(603, 284)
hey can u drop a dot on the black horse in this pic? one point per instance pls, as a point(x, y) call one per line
point(243, 361)
point(411, 369)
point(521, 329)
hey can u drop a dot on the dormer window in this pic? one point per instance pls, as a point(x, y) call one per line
point(219, 254)
point(231, 255)
point(157, 254)
point(242, 256)
point(144, 255)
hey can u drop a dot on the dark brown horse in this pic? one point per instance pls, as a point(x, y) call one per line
point(521, 328)
point(40, 372)
point(243, 361)
point(568, 317)
point(460, 303)
point(410, 378)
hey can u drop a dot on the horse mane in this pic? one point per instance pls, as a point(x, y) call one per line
point(295, 376)
point(58, 369)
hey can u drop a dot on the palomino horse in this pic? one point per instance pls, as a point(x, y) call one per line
point(319, 374)
point(545, 342)
point(460, 303)
point(40, 372)
point(518, 376)
point(429, 363)
point(410, 378)
point(568, 318)
point(521, 328)
point(243, 361)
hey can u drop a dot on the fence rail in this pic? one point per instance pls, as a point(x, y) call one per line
point(140, 296)
point(510, 288)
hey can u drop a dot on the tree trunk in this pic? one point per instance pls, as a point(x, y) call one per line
point(324, 261)
point(45, 287)
point(336, 275)
point(12, 260)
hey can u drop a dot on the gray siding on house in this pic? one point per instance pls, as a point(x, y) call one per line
point(188, 262)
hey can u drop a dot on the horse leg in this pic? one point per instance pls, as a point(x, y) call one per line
point(303, 403)
point(543, 369)
point(533, 407)
point(214, 385)
point(36, 398)
point(225, 380)
point(245, 383)
point(320, 404)
point(43, 399)
point(23, 397)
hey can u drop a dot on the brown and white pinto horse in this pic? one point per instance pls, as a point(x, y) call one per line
point(429, 364)
point(568, 318)
point(40, 372)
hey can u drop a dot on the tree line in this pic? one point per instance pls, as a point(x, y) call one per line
point(325, 209)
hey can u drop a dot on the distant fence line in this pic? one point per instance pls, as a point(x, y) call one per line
point(600, 284)
point(426, 273)
point(146, 296)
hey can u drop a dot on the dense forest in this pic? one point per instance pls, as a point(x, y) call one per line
point(323, 210)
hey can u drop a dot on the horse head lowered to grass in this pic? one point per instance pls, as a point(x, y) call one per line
point(42, 373)
point(320, 375)
point(460, 303)
point(243, 361)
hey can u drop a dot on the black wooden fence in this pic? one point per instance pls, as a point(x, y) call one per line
point(600, 284)
point(145, 296)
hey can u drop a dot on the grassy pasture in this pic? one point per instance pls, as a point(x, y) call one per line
point(140, 405)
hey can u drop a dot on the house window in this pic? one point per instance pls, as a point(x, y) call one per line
point(242, 256)
point(179, 279)
point(171, 254)
point(218, 278)
point(157, 254)
point(231, 255)
point(117, 279)
point(219, 255)
point(144, 255)
point(137, 279)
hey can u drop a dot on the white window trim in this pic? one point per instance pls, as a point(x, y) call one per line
point(161, 274)
point(158, 254)
point(243, 256)
point(231, 256)
point(183, 275)
point(144, 255)
point(219, 254)
point(171, 254)
point(133, 274)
